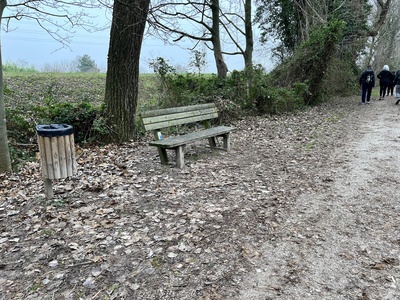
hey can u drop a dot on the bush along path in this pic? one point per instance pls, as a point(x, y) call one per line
point(304, 205)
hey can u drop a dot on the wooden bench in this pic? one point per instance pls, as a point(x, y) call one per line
point(156, 120)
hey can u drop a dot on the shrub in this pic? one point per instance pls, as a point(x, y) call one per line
point(13, 67)
point(88, 121)
point(341, 79)
point(311, 61)
point(276, 100)
point(20, 154)
point(20, 125)
point(242, 92)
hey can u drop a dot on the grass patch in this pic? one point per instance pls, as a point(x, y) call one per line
point(25, 88)
point(22, 89)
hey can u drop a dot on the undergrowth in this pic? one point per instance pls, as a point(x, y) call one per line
point(35, 98)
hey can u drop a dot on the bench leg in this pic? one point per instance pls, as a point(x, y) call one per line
point(180, 160)
point(227, 142)
point(212, 142)
point(163, 155)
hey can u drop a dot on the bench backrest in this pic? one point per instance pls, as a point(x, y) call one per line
point(163, 118)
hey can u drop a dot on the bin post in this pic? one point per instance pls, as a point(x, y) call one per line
point(48, 188)
point(57, 153)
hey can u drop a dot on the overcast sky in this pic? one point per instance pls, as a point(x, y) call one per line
point(30, 45)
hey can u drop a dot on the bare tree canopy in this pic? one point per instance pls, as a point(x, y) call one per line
point(381, 47)
point(58, 18)
point(215, 23)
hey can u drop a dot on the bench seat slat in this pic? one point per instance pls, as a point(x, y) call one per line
point(179, 115)
point(174, 110)
point(178, 119)
point(180, 140)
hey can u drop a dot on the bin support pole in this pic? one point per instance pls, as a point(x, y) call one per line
point(48, 188)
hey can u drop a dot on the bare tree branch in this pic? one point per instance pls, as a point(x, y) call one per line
point(57, 18)
point(382, 16)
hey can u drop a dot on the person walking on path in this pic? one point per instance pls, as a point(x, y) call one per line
point(367, 82)
point(385, 80)
point(390, 91)
point(397, 83)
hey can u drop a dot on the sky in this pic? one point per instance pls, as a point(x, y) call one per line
point(29, 45)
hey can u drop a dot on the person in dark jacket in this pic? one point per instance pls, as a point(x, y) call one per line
point(390, 90)
point(397, 83)
point(367, 82)
point(385, 80)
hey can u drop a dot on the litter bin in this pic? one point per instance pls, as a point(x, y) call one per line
point(57, 150)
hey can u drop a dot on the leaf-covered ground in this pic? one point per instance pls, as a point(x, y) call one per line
point(305, 206)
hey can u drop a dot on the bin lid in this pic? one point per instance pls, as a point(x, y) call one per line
point(54, 130)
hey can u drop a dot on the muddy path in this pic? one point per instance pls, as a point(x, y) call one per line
point(344, 242)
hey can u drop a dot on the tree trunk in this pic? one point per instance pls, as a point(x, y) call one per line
point(248, 55)
point(121, 96)
point(5, 160)
point(222, 68)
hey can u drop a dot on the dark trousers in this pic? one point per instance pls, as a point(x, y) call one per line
point(390, 90)
point(382, 90)
point(366, 92)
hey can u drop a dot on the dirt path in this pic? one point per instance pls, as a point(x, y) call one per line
point(305, 206)
point(343, 243)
